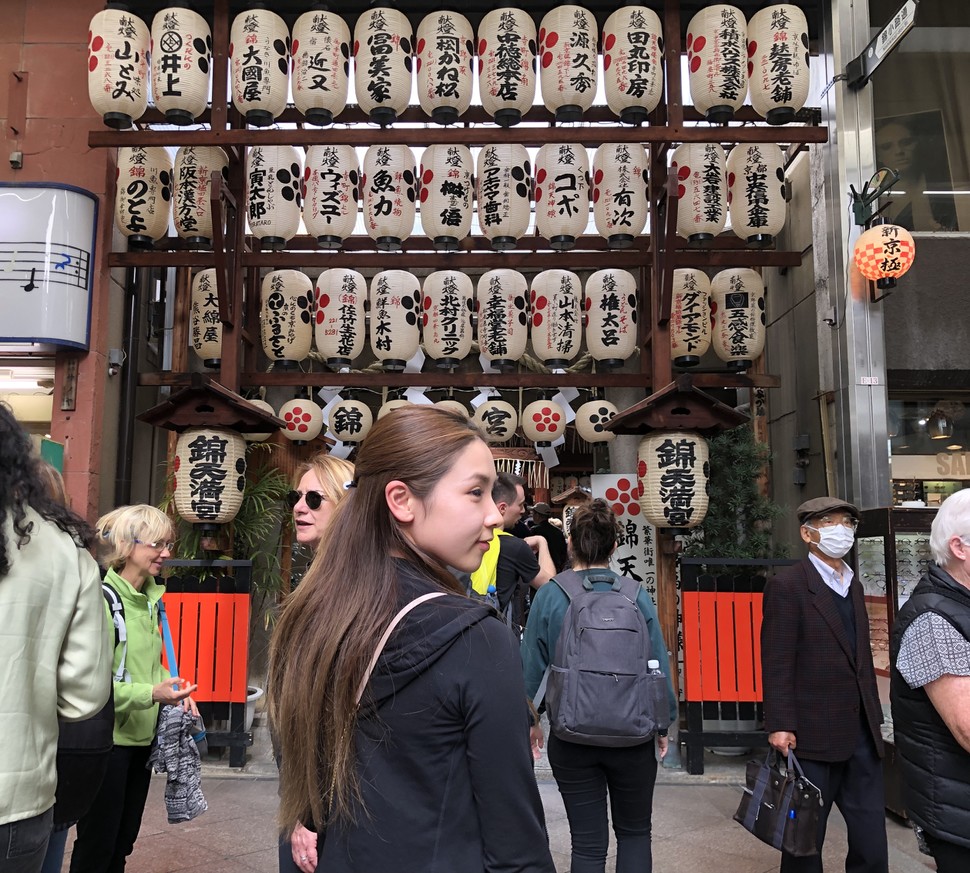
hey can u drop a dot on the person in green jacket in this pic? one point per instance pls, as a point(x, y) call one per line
point(136, 540)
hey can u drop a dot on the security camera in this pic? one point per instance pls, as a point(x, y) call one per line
point(16, 160)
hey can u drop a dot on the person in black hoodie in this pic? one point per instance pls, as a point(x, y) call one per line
point(409, 753)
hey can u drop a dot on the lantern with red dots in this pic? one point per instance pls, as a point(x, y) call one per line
point(383, 45)
point(395, 307)
point(543, 422)
point(883, 253)
point(620, 202)
point(507, 64)
point(673, 473)
point(205, 324)
point(390, 190)
point(756, 192)
point(717, 67)
point(503, 317)
point(447, 189)
point(504, 193)
point(701, 191)
point(210, 476)
point(259, 64)
point(285, 317)
point(690, 317)
point(265, 435)
point(633, 62)
point(568, 61)
point(181, 60)
point(591, 421)
point(445, 49)
point(350, 420)
point(611, 313)
point(304, 420)
point(562, 193)
point(274, 193)
point(144, 194)
point(446, 316)
point(338, 320)
point(321, 65)
point(118, 67)
point(496, 419)
point(738, 305)
point(778, 62)
point(557, 330)
point(192, 206)
point(332, 177)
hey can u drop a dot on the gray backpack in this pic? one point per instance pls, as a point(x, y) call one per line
point(600, 691)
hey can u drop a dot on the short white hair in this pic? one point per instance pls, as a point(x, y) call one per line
point(952, 520)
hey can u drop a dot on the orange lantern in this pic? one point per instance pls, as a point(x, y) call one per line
point(883, 253)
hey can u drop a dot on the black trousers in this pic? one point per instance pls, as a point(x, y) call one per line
point(107, 834)
point(949, 857)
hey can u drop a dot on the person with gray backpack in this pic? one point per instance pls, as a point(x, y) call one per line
point(595, 659)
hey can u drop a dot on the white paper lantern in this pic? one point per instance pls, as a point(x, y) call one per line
point(181, 61)
point(286, 317)
point(445, 49)
point(339, 316)
point(260, 437)
point(395, 306)
point(192, 204)
point(557, 331)
point(562, 193)
point(756, 192)
point(568, 61)
point(503, 317)
point(332, 177)
point(591, 418)
point(447, 190)
point(349, 421)
point(383, 45)
point(507, 64)
point(620, 197)
point(259, 65)
point(556, 485)
point(304, 420)
point(447, 303)
point(673, 475)
point(321, 65)
point(504, 193)
point(633, 62)
point(496, 419)
point(274, 193)
point(701, 191)
point(690, 317)
point(390, 190)
point(543, 422)
point(778, 62)
point(738, 304)
point(210, 475)
point(454, 406)
point(611, 312)
point(391, 405)
point(716, 62)
point(206, 326)
point(143, 194)
point(118, 67)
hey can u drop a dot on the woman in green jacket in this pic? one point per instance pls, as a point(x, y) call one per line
point(136, 541)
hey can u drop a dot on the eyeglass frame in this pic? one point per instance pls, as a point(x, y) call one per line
point(161, 547)
point(294, 496)
point(819, 521)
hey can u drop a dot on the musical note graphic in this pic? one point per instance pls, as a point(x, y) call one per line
point(61, 264)
point(30, 285)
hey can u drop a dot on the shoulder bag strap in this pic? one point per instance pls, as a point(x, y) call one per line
point(121, 629)
point(167, 637)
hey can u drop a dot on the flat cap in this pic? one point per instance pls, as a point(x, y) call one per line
point(821, 505)
point(543, 509)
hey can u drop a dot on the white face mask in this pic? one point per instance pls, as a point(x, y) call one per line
point(835, 540)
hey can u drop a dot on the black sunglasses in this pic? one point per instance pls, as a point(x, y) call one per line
point(313, 498)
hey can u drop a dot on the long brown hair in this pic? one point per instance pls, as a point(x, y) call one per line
point(331, 624)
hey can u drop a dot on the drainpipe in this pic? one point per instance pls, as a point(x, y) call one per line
point(135, 283)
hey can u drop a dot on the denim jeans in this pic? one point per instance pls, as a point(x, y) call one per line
point(23, 843)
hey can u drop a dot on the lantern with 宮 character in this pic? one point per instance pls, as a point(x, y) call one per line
point(690, 317)
point(383, 45)
point(507, 64)
point(181, 61)
point(210, 475)
point(332, 177)
point(339, 316)
point(206, 326)
point(274, 193)
point(395, 306)
point(568, 61)
point(263, 435)
point(673, 474)
point(756, 192)
point(611, 313)
point(591, 418)
point(496, 419)
point(118, 67)
point(620, 192)
point(738, 304)
point(192, 205)
point(285, 317)
point(303, 419)
point(633, 62)
point(321, 64)
point(503, 317)
point(717, 62)
point(504, 193)
point(557, 331)
point(446, 304)
point(562, 193)
point(143, 194)
point(446, 50)
point(701, 191)
point(350, 420)
point(778, 62)
point(883, 253)
point(447, 189)
point(543, 422)
point(259, 64)
point(390, 192)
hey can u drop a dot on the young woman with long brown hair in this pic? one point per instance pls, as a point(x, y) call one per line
point(431, 771)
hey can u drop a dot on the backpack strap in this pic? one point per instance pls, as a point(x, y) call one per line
point(571, 583)
point(121, 630)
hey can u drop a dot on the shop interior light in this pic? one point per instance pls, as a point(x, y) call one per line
point(939, 426)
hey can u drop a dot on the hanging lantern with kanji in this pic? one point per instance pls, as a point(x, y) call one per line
point(263, 435)
point(118, 67)
point(690, 317)
point(756, 192)
point(332, 181)
point(701, 191)
point(455, 406)
point(339, 316)
point(383, 45)
point(884, 253)
point(504, 193)
point(568, 61)
point(274, 193)
point(447, 190)
point(673, 476)
point(143, 194)
point(205, 324)
point(778, 62)
point(390, 192)
point(395, 306)
point(620, 197)
point(448, 297)
point(543, 422)
point(321, 64)
point(350, 420)
point(389, 407)
point(192, 204)
point(717, 62)
point(591, 418)
point(562, 193)
point(611, 317)
point(304, 420)
point(209, 472)
point(286, 317)
point(738, 304)
point(496, 419)
point(503, 317)
point(181, 51)
point(633, 76)
point(259, 64)
point(507, 64)
point(557, 331)
point(446, 51)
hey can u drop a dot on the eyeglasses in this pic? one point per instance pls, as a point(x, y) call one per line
point(313, 498)
point(828, 521)
point(162, 547)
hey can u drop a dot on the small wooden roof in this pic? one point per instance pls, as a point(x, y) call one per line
point(576, 494)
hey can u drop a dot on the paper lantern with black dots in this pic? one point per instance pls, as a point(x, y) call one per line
point(274, 193)
point(756, 192)
point(209, 471)
point(620, 200)
point(332, 179)
point(259, 65)
point(562, 193)
point(504, 193)
point(446, 51)
point(395, 311)
point(738, 305)
point(611, 313)
point(181, 62)
point(286, 317)
point(673, 474)
point(591, 418)
point(143, 195)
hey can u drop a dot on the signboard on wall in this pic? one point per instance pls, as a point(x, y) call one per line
point(943, 465)
point(636, 551)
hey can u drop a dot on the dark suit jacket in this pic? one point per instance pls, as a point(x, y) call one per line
point(813, 686)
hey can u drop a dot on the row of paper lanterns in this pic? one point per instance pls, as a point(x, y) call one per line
point(294, 312)
point(727, 57)
point(327, 185)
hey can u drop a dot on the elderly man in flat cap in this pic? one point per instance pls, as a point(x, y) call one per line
point(820, 691)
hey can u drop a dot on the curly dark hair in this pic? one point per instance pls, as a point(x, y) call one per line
point(21, 485)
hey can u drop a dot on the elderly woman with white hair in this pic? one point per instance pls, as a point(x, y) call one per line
point(930, 692)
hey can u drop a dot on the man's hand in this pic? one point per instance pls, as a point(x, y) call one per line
point(547, 569)
point(782, 741)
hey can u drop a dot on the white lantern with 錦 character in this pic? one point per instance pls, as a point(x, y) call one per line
point(496, 419)
point(778, 62)
point(701, 191)
point(503, 317)
point(304, 420)
point(568, 61)
point(717, 48)
point(592, 418)
point(562, 193)
point(286, 317)
point(447, 301)
point(738, 304)
point(507, 64)
point(611, 313)
point(206, 326)
point(557, 330)
point(390, 191)
point(446, 51)
point(118, 66)
point(447, 190)
point(339, 316)
point(274, 193)
point(673, 476)
point(395, 307)
point(350, 420)
point(259, 65)
point(321, 65)
point(181, 62)
point(543, 422)
point(209, 472)
point(690, 317)
point(383, 63)
point(332, 177)
point(620, 200)
point(756, 192)
point(143, 195)
point(192, 204)
point(504, 193)
point(633, 62)
point(264, 435)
